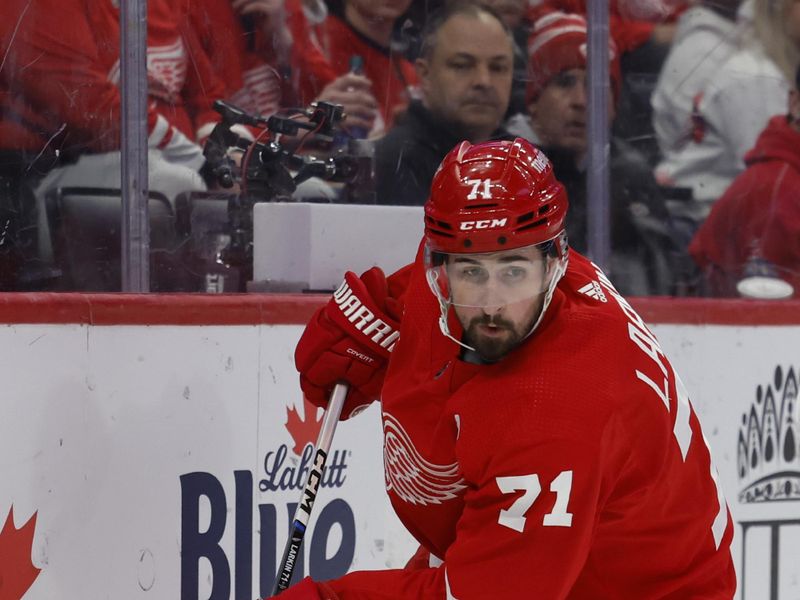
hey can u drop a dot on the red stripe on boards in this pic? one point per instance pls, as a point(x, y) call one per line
point(159, 309)
point(286, 309)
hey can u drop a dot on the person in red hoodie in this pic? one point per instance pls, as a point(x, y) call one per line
point(749, 244)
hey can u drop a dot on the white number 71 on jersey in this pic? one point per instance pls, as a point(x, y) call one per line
point(514, 516)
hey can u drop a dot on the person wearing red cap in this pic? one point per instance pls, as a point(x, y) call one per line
point(537, 441)
point(555, 95)
point(753, 230)
point(641, 240)
point(632, 23)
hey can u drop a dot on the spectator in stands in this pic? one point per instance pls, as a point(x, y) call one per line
point(706, 36)
point(515, 15)
point(60, 85)
point(465, 70)
point(557, 120)
point(265, 67)
point(754, 228)
point(736, 104)
point(313, 77)
point(642, 31)
point(314, 13)
point(60, 111)
point(363, 28)
point(242, 53)
point(632, 23)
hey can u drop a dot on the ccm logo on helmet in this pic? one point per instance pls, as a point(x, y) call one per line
point(364, 319)
point(485, 224)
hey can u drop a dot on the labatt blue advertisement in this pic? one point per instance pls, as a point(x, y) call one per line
point(257, 525)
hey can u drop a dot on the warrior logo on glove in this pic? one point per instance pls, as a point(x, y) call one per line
point(350, 339)
point(364, 319)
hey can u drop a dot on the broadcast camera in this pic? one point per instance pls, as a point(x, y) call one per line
point(269, 169)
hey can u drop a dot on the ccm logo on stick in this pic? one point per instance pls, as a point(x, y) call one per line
point(485, 224)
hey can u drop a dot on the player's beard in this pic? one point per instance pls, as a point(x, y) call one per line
point(492, 349)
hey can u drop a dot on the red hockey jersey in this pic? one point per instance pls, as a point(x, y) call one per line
point(758, 215)
point(574, 468)
point(253, 83)
point(248, 64)
point(59, 84)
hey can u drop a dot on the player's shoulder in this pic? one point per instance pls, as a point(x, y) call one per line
point(595, 322)
point(584, 336)
point(625, 347)
point(590, 297)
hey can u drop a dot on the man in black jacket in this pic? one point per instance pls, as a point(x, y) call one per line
point(465, 69)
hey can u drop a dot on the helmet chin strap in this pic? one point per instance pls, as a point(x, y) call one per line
point(446, 331)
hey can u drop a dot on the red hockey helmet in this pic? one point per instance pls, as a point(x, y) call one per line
point(494, 196)
point(494, 228)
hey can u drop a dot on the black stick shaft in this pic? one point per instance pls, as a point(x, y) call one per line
point(303, 511)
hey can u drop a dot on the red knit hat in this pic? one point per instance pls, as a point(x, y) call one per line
point(558, 43)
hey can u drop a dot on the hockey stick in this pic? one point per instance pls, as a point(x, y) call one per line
point(303, 510)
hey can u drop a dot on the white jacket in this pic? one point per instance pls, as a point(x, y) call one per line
point(738, 100)
point(735, 107)
point(703, 41)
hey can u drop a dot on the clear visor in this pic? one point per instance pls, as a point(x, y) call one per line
point(492, 279)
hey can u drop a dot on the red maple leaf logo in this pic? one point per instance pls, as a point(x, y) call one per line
point(17, 572)
point(303, 431)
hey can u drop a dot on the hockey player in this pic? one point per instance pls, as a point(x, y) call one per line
point(537, 442)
